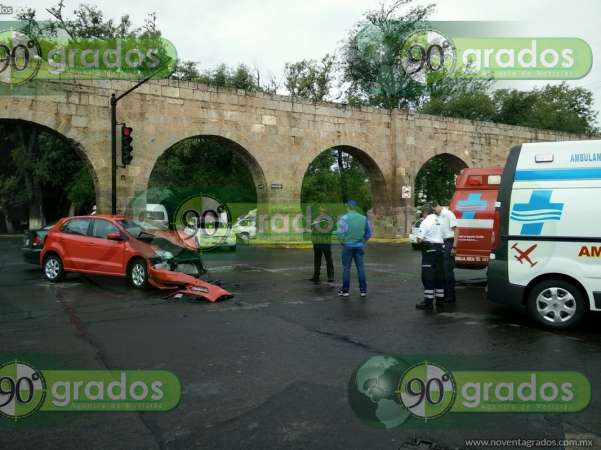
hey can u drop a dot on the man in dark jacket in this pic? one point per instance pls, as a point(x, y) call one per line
point(321, 236)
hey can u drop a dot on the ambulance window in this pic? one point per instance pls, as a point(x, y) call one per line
point(494, 179)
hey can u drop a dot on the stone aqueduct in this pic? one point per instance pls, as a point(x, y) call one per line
point(277, 136)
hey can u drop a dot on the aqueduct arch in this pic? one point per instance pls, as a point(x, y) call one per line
point(73, 139)
point(378, 185)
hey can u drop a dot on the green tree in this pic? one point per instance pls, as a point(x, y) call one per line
point(41, 175)
point(206, 165)
point(463, 98)
point(186, 71)
point(435, 181)
point(552, 107)
point(87, 21)
point(371, 70)
point(309, 78)
point(239, 77)
point(322, 182)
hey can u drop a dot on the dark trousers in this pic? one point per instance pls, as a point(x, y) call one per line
point(326, 251)
point(432, 272)
point(449, 270)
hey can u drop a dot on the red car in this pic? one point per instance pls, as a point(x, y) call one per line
point(118, 246)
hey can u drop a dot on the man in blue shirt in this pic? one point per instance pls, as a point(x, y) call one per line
point(353, 232)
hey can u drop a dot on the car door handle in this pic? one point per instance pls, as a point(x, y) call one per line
point(91, 243)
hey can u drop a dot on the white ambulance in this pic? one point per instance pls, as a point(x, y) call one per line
point(548, 257)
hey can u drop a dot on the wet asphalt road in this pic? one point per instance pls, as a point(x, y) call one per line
point(270, 368)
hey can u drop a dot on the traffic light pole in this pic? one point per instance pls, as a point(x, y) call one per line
point(113, 155)
point(114, 100)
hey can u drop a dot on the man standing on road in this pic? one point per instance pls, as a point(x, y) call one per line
point(321, 236)
point(448, 222)
point(353, 232)
point(430, 234)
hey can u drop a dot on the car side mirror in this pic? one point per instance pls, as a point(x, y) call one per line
point(114, 237)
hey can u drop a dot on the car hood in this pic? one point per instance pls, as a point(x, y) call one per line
point(165, 241)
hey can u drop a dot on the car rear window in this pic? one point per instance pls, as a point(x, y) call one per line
point(76, 226)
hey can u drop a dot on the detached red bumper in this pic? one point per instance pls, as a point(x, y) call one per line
point(186, 285)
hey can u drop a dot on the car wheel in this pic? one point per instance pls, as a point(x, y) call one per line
point(53, 268)
point(232, 248)
point(137, 274)
point(556, 304)
point(244, 237)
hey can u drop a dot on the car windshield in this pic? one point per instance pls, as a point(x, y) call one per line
point(134, 227)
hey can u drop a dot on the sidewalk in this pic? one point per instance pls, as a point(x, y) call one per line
point(308, 244)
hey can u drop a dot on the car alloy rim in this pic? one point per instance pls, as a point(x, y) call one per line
point(52, 268)
point(556, 305)
point(137, 274)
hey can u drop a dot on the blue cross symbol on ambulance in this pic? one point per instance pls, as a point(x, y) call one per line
point(471, 205)
point(536, 212)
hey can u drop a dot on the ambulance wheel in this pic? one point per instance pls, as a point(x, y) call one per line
point(556, 304)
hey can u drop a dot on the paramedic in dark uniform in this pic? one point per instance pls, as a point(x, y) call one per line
point(448, 222)
point(430, 234)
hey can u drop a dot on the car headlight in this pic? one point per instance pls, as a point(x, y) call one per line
point(162, 266)
point(164, 254)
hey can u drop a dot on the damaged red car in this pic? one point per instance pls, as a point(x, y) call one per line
point(122, 247)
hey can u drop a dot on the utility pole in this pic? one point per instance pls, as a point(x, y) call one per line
point(113, 154)
point(114, 100)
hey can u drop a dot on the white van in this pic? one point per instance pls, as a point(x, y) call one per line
point(156, 214)
point(548, 257)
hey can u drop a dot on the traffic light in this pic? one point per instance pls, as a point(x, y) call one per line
point(126, 148)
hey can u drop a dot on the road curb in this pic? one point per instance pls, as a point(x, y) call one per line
point(305, 244)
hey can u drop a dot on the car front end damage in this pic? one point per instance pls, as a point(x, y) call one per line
point(185, 285)
point(179, 269)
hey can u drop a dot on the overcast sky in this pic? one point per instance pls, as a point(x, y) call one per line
point(268, 33)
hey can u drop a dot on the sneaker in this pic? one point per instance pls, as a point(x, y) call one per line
point(342, 293)
point(363, 294)
point(331, 280)
point(314, 280)
point(424, 305)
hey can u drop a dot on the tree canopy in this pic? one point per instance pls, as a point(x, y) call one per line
point(435, 181)
point(369, 57)
point(334, 177)
point(41, 175)
point(206, 165)
point(309, 78)
point(553, 107)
